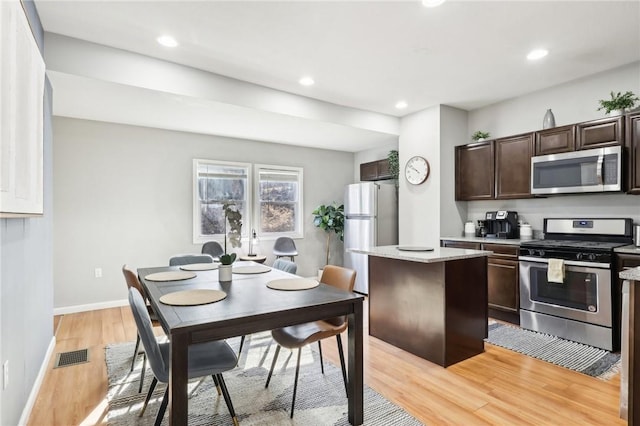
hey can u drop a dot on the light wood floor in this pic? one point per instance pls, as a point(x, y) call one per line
point(497, 387)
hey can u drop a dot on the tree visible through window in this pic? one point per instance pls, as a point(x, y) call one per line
point(278, 198)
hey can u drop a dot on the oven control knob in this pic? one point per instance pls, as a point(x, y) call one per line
point(531, 252)
point(579, 256)
point(592, 256)
point(541, 253)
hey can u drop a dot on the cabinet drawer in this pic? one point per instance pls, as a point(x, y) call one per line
point(502, 250)
point(558, 139)
point(461, 245)
point(600, 133)
point(502, 279)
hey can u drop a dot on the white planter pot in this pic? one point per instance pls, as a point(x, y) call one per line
point(224, 273)
point(615, 112)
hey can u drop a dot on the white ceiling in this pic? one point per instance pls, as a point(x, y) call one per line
point(368, 55)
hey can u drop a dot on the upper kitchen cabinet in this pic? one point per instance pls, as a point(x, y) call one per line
point(513, 166)
point(375, 170)
point(633, 152)
point(475, 165)
point(556, 139)
point(600, 133)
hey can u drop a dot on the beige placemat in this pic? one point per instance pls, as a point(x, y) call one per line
point(170, 276)
point(200, 267)
point(293, 284)
point(251, 269)
point(193, 297)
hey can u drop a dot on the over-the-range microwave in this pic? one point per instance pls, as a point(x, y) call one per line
point(590, 170)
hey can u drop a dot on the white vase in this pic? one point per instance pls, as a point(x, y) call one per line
point(615, 112)
point(549, 120)
point(224, 273)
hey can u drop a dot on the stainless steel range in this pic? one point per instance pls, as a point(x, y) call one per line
point(575, 299)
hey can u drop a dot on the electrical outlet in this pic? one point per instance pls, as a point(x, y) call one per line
point(98, 272)
point(5, 370)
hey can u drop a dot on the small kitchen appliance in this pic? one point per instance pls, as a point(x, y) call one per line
point(499, 224)
point(583, 305)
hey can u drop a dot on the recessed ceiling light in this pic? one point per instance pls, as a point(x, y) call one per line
point(432, 3)
point(537, 54)
point(401, 105)
point(306, 81)
point(167, 41)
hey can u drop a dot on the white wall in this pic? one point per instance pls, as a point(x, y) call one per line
point(419, 215)
point(123, 194)
point(573, 102)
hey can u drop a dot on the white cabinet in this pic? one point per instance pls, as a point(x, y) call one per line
point(21, 115)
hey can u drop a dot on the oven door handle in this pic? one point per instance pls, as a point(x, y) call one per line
point(567, 262)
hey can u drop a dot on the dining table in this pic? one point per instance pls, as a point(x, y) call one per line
point(249, 307)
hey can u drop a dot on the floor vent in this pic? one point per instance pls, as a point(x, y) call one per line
point(65, 359)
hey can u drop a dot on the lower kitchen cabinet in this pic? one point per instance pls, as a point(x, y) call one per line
point(460, 245)
point(623, 261)
point(503, 280)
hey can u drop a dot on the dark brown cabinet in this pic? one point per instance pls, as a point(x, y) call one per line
point(503, 277)
point(600, 133)
point(513, 166)
point(632, 147)
point(557, 139)
point(475, 171)
point(461, 245)
point(623, 261)
point(375, 170)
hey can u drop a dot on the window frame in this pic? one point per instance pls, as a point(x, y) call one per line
point(299, 226)
point(198, 238)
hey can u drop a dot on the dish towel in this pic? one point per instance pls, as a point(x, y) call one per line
point(555, 271)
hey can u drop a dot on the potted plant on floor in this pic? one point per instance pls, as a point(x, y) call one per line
point(330, 218)
point(618, 103)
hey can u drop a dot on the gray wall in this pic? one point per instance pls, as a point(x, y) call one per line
point(26, 288)
point(123, 194)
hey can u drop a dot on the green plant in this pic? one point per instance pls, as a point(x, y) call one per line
point(619, 101)
point(394, 164)
point(232, 215)
point(480, 135)
point(330, 218)
point(227, 259)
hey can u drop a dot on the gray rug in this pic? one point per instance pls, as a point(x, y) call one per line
point(565, 353)
point(320, 399)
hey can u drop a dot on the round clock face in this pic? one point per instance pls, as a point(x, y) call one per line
point(417, 170)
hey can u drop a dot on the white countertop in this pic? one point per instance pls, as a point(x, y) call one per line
point(631, 274)
point(507, 241)
point(439, 254)
point(631, 249)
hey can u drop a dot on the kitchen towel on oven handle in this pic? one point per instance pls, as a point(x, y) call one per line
point(555, 271)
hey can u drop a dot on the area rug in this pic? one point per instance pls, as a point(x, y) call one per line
point(565, 353)
point(320, 400)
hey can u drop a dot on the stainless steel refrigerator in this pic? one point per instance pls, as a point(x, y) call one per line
point(371, 219)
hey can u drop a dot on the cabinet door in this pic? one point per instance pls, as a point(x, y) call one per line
point(599, 133)
point(383, 169)
point(513, 166)
point(558, 139)
point(633, 152)
point(623, 261)
point(475, 171)
point(502, 281)
point(460, 244)
point(369, 171)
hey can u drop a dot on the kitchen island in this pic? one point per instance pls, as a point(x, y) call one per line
point(430, 303)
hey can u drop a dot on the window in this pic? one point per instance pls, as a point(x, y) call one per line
point(279, 201)
point(217, 183)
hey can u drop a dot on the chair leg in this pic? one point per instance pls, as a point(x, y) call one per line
point(154, 382)
point(215, 380)
point(163, 408)
point(344, 370)
point(321, 362)
point(227, 399)
point(295, 382)
point(144, 368)
point(135, 352)
point(241, 344)
point(273, 364)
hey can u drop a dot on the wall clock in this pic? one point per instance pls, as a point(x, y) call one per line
point(417, 170)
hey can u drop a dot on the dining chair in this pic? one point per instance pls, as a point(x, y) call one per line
point(131, 278)
point(213, 248)
point(285, 247)
point(283, 265)
point(299, 335)
point(205, 359)
point(188, 259)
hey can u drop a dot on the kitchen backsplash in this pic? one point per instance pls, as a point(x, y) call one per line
point(534, 211)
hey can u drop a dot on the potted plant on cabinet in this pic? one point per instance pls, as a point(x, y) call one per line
point(479, 136)
point(618, 103)
point(331, 219)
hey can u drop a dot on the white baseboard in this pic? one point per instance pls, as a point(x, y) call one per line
point(26, 412)
point(90, 307)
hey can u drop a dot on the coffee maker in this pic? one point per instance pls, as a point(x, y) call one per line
point(499, 224)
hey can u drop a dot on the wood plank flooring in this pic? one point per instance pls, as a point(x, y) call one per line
point(498, 387)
